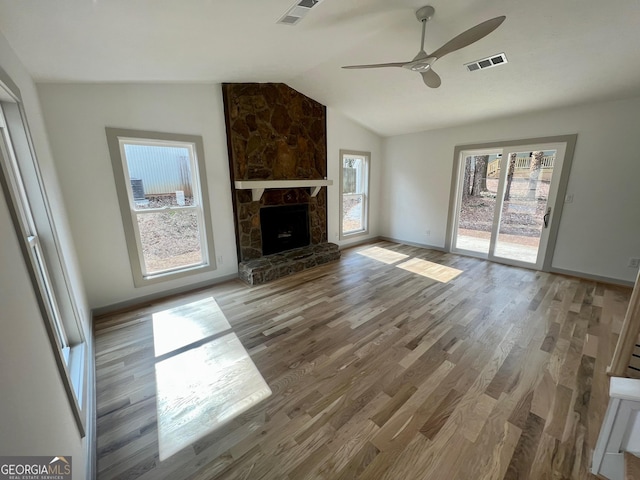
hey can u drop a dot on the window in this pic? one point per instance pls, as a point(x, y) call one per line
point(354, 190)
point(30, 236)
point(164, 203)
point(21, 182)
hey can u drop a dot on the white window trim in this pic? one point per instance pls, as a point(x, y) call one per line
point(365, 202)
point(68, 354)
point(116, 138)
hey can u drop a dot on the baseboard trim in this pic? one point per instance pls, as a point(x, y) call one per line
point(357, 243)
point(590, 276)
point(140, 301)
point(413, 244)
point(561, 271)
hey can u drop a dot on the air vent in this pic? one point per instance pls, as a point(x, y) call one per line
point(297, 12)
point(308, 3)
point(492, 61)
point(289, 20)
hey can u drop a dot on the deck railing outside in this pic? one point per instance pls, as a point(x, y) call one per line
point(523, 164)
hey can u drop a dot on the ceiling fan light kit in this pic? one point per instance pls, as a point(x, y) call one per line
point(423, 63)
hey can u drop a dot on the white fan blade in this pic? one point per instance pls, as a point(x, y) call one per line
point(378, 65)
point(470, 36)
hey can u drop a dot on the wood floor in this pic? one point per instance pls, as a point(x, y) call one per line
point(379, 371)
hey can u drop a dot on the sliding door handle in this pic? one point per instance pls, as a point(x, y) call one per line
point(546, 217)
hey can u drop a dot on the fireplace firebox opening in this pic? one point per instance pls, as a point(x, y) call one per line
point(284, 228)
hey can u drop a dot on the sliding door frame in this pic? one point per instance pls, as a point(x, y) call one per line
point(570, 143)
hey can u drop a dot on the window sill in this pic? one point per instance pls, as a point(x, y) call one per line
point(359, 233)
point(173, 274)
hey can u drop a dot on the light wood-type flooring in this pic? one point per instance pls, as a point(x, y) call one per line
point(395, 363)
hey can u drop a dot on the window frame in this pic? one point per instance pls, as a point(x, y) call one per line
point(366, 156)
point(569, 142)
point(24, 192)
point(116, 139)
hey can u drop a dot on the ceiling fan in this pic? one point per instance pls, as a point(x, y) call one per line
point(423, 62)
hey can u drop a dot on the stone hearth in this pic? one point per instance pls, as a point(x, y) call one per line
point(271, 267)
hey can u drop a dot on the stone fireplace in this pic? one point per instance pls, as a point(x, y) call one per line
point(277, 139)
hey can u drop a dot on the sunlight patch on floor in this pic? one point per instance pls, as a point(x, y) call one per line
point(200, 387)
point(182, 326)
point(383, 255)
point(440, 273)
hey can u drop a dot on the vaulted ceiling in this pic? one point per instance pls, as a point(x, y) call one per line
point(559, 52)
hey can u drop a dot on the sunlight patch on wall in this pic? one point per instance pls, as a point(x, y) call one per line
point(383, 255)
point(440, 273)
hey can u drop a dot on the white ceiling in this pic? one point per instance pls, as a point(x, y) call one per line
point(560, 52)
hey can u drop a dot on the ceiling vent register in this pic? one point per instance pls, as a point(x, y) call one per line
point(298, 11)
point(492, 61)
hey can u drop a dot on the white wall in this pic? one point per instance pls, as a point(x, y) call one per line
point(598, 232)
point(35, 416)
point(76, 116)
point(345, 134)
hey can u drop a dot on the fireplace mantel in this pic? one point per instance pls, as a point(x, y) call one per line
point(258, 187)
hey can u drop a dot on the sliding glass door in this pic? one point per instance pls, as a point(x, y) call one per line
point(504, 202)
point(478, 191)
